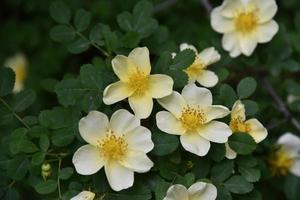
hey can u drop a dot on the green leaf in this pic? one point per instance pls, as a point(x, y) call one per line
point(242, 143)
point(62, 33)
point(139, 192)
point(17, 168)
point(91, 77)
point(110, 38)
point(183, 59)
point(238, 185)
point(131, 39)
point(62, 137)
point(28, 146)
point(16, 140)
point(44, 142)
point(227, 95)
point(223, 193)
point(217, 152)
point(251, 107)
point(96, 36)
point(160, 188)
point(221, 171)
point(78, 46)
point(11, 194)
point(249, 173)
point(23, 100)
point(46, 187)
point(82, 20)
point(7, 80)
point(246, 87)
point(291, 187)
point(164, 144)
point(60, 12)
point(163, 63)
point(38, 158)
point(66, 173)
point(180, 78)
point(91, 101)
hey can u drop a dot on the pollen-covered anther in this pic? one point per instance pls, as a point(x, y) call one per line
point(139, 82)
point(280, 163)
point(246, 22)
point(113, 147)
point(196, 68)
point(239, 125)
point(192, 118)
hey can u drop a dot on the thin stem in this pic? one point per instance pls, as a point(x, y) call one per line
point(58, 180)
point(164, 5)
point(12, 183)
point(14, 113)
point(206, 4)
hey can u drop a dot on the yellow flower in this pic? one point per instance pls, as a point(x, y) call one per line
point(191, 115)
point(136, 83)
point(198, 70)
point(287, 158)
point(199, 190)
point(119, 145)
point(18, 64)
point(84, 195)
point(244, 23)
point(239, 123)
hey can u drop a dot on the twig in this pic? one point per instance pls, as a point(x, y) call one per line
point(206, 4)
point(58, 179)
point(14, 113)
point(281, 106)
point(164, 5)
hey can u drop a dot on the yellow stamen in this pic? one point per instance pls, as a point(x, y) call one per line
point(239, 125)
point(280, 162)
point(139, 82)
point(194, 70)
point(113, 147)
point(192, 118)
point(246, 22)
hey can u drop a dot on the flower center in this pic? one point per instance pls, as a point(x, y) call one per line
point(280, 162)
point(246, 22)
point(20, 74)
point(113, 147)
point(238, 125)
point(192, 118)
point(195, 69)
point(139, 82)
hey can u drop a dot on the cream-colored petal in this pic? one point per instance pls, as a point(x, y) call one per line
point(295, 169)
point(160, 85)
point(168, 123)
point(220, 23)
point(266, 10)
point(201, 190)
point(258, 131)
point(141, 105)
point(122, 121)
point(141, 58)
point(229, 154)
point(139, 139)
point(230, 42)
point(87, 160)
point(215, 112)
point(93, 127)
point(195, 144)
point(116, 92)
point(248, 44)
point(123, 67)
point(207, 78)
point(215, 131)
point(177, 192)
point(266, 31)
point(290, 143)
point(209, 56)
point(196, 96)
point(173, 103)
point(184, 46)
point(231, 7)
point(238, 110)
point(118, 177)
point(137, 161)
point(84, 195)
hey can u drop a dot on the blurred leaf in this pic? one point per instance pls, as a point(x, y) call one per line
point(180, 78)
point(291, 187)
point(44, 142)
point(246, 87)
point(7, 80)
point(91, 77)
point(164, 144)
point(227, 95)
point(217, 152)
point(250, 174)
point(183, 59)
point(139, 192)
point(82, 20)
point(66, 173)
point(221, 171)
point(130, 39)
point(78, 46)
point(223, 193)
point(95, 34)
point(62, 137)
point(60, 12)
point(238, 185)
point(242, 143)
point(46, 187)
point(62, 33)
point(38, 158)
point(17, 168)
point(23, 100)
point(11, 194)
point(251, 107)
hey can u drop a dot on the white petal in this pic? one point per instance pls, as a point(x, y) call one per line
point(139, 139)
point(258, 131)
point(238, 110)
point(231, 7)
point(116, 92)
point(137, 161)
point(230, 42)
point(266, 31)
point(215, 131)
point(160, 85)
point(195, 144)
point(141, 58)
point(229, 154)
point(202, 190)
point(84, 195)
point(141, 105)
point(87, 160)
point(118, 177)
point(176, 192)
point(209, 56)
point(296, 167)
point(266, 10)
point(208, 78)
point(184, 46)
point(173, 103)
point(93, 127)
point(168, 123)
point(248, 44)
point(122, 121)
point(123, 67)
point(215, 112)
point(219, 23)
point(290, 142)
point(194, 95)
